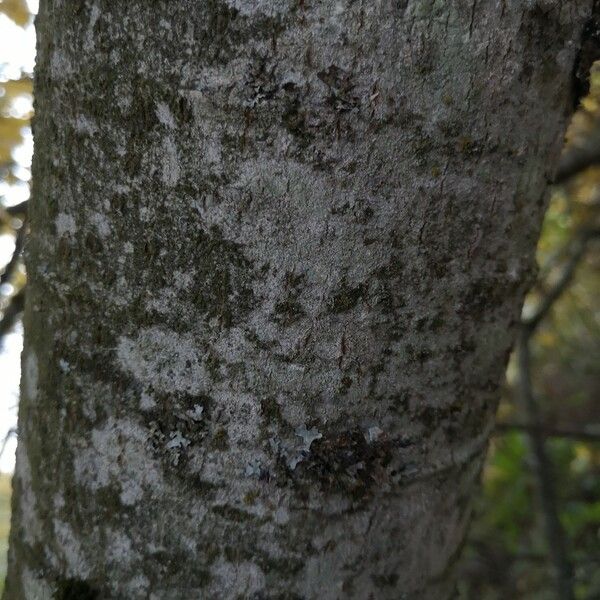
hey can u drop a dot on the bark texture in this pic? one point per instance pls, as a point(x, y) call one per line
point(278, 249)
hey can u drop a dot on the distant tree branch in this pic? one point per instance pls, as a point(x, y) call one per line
point(11, 313)
point(579, 158)
point(18, 209)
point(10, 267)
point(549, 432)
point(557, 546)
point(538, 556)
point(578, 249)
point(12, 431)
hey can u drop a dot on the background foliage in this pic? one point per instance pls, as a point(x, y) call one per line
point(15, 114)
point(507, 551)
point(16, 110)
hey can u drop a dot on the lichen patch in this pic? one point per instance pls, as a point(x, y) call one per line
point(28, 503)
point(163, 360)
point(101, 223)
point(70, 548)
point(118, 456)
point(31, 376)
point(65, 224)
point(241, 579)
point(170, 165)
point(164, 115)
point(34, 586)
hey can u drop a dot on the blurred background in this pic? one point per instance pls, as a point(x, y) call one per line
point(536, 532)
point(17, 55)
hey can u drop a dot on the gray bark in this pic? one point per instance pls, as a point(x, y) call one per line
point(278, 250)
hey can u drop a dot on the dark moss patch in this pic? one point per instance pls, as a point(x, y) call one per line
point(172, 413)
point(222, 287)
point(336, 78)
point(400, 402)
point(258, 343)
point(346, 462)
point(276, 596)
point(230, 513)
point(287, 312)
point(203, 488)
point(294, 120)
point(203, 577)
point(220, 440)
point(345, 384)
point(222, 283)
point(287, 566)
point(172, 561)
point(270, 410)
point(250, 497)
point(236, 554)
point(346, 298)
point(383, 581)
point(108, 501)
point(423, 146)
point(142, 112)
point(431, 417)
point(75, 589)
point(485, 293)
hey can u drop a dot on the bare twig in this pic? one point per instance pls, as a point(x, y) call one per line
point(557, 546)
point(14, 259)
point(578, 250)
point(12, 431)
point(579, 158)
point(581, 435)
point(18, 209)
point(12, 312)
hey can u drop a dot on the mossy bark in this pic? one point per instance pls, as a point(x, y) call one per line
point(278, 250)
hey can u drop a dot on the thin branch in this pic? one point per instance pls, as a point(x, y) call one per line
point(14, 259)
point(580, 435)
point(12, 431)
point(579, 158)
point(535, 556)
point(12, 312)
point(557, 546)
point(18, 209)
point(577, 252)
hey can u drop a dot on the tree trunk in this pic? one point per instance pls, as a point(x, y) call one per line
point(278, 250)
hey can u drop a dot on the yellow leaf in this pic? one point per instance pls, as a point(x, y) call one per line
point(10, 136)
point(10, 92)
point(17, 87)
point(16, 10)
